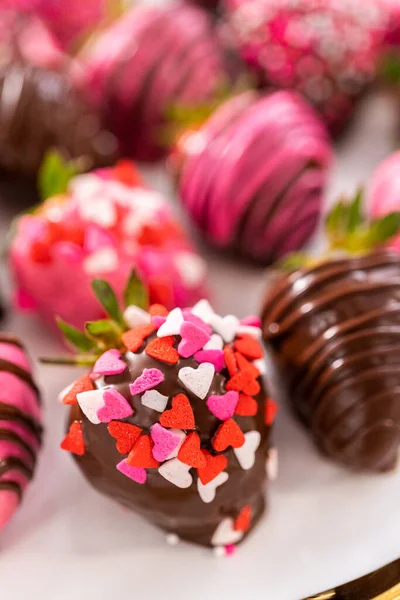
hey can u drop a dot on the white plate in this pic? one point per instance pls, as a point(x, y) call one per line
point(324, 526)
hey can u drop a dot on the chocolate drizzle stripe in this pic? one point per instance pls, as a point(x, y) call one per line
point(12, 413)
point(23, 374)
point(6, 338)
point(11, 463)
point(11, 486)
point(10, 436)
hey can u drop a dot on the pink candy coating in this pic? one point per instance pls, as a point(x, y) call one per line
point(384, 191)
point(148, 61)
point(255, 174)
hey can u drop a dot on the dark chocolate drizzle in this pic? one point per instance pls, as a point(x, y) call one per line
point(179, 511)
point(335, 332)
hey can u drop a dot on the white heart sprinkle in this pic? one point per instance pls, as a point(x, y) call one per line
point(103, 260)
point(254, 331)
point(214, 343)
point(182, 435)
point(246, 454)
point(191, 268)
point(271, 465)
point(226, 326)
point(90, 402)
point(133, 316)
point(261, 365)
point(155, 400)
point(203, 310)
point(197, 381)
point(208, 492)
point(172, 325)
point(225, 534)
point(176, 472)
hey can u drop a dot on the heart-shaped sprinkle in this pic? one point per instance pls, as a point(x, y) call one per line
point(141, 455)
point(158, 321)
point(165, 442)
point(215, 343)
point(74, 441)
point(243, 382)
point(214, 466)
point(249, 347)
point(177, 473)
point(83, 384)
point(115, 407)
point(158, 310)
point(109, 363)
point(104, 260)
point(228, 434)
point(172, 325)
point(255, 332)
point(162, 349)
point(230, 360)
point(271, 465)
point(246, 407)
point(226, 534)
point(134, 338)
point(154, 400)
point(223, 407)
point(215, 357)
point(181, 414)
point(190, 452)
point(197, 381)
point(243, 520)
point(246, 454)
point(146, 381)
point(125, 434)
point(245, 365)
point(261, 366)
point(136, 473)
point(271, 409)
point(226, 327)
point(90, 402)
point(203, 310)
point(191, 318)
point(208, 492)
point(134, 315)
point(193, 339)
point(251, 321)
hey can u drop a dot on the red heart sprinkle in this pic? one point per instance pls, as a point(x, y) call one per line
point(126, 172)
point(271, 409)
point(229, 434)
point(83, 384)
point(190, 452)
point(214, 466)
point(125, 434)
point(230, 360)
point(74, 441)
point(248, 346)
point(162, 349)
point(245, 365)
point(244, 382)
point(134, 338)
point(180, 416)
point(247, 406)
point(158, 310)
point(243, 520)
point(141, 455)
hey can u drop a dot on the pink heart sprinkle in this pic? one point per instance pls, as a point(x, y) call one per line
point(135, 473)
point(115, 407)
point(193, 339)
point(147, 380)
point(252, 321)
point(165, 442)
point(215, 357)
point(157, 321)
point(109, 363)
point(191, 318)
point(223, 407)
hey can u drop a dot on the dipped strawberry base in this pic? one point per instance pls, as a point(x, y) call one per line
point(177, 427)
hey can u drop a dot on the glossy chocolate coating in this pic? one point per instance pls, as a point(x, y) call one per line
point(335, 332)
point(179, 511)
point(40, 110)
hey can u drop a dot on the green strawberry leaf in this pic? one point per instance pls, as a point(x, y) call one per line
point(105, 295)
point(135, 292)
point(294, 261)
point(355, 216)
point(104, 332)
point(385, 228)
point(75, 337)
point(55, 174)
